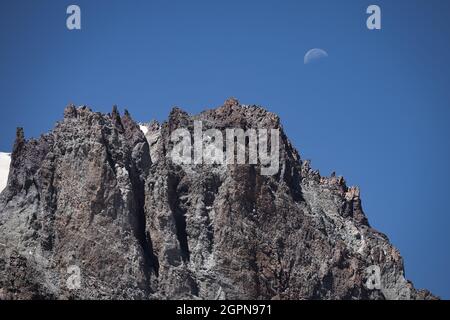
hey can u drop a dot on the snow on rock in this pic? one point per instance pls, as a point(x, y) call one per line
point(144, 129)
point(5, 159)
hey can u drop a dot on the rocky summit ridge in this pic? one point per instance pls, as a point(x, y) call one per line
point(96, 209)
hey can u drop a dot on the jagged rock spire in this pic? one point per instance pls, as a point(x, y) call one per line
point(231, 102)
point(70, 111)
point(19, 141)
point(117, 121)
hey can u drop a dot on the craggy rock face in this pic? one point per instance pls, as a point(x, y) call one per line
point(98, 210)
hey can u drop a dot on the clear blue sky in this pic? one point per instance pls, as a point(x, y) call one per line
point(376, 110)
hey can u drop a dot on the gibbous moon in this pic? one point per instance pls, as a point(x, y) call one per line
point(314, 55)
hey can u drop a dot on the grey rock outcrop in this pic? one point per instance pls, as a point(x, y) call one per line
point(95, 209)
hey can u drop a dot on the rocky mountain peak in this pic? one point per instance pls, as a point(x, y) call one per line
point(97, 208)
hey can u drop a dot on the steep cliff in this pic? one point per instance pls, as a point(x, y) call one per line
point(98, 209)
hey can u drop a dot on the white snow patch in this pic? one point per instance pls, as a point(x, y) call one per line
point(144, 129)
point(5, 160)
